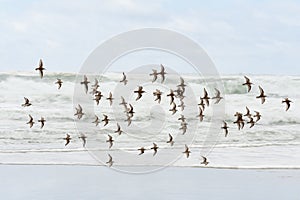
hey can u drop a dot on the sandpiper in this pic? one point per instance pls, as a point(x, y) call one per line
point(85, 82)
point(248, 83)
point(41, 68)
point(262, 95)
point(59, 82)
point(27, 103)
point(155, 147)
point(68, 139)
point(187, 151)
point(110, 141)
point(42, 120)
point(170, 140)
point(225, 127)
point(140, 92)
point(124, 80)
point(30, 122)
point(288, 103)
point(83, 138)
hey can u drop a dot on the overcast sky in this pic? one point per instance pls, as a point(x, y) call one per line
point(255, 37)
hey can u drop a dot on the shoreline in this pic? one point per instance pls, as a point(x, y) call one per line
point(85, 182)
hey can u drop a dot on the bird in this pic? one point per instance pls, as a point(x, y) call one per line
point(79, 112)
point(202, 104)
point(248, 114)
point(204, 162)
point(96, 84)
point(171, 95)
point(124, 103)
point(68, 139)
point(27, 103)
point(248, 83)
point(206, 97)
point(158, 94)
point(182, 85)
point(96, 120)
point(110, 141)
point(105, 120)
point(85, 82)
point(30, 122)
point(181, 105)
point(262, 95)
point(162, 73)
point(119, 131)
point(98, 97)
point(110, 161)
point(170, 141)
point(173, 109)
point(155, 147)
point(59, 82)
point(41, 68)
point(142, 150)
point(110, 98)
point(42, 120)
point(124, 80)
point(140, 92)
point(183, 127)
point(251, 122)
point(225, 127)
point(288, 103)
point(83, 138)
point(128, 120)
point(239, 121)
point(130, 111)
point(154, 74)
point(200, 115)
point(187, 151)
point(218, 96)
point(182, 118)
point(257, 115)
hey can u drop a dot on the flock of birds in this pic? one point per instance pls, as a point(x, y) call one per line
point(129, 110)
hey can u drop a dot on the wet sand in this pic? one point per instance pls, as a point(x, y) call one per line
point(29, 182)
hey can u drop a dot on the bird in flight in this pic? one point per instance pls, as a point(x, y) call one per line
point(187, 151)
point(41, 68)
point(124, 80)
point(68, 139)
point(110, 141)
point(85, 82)
point(59, 82)
point(155, 147)
point(140, 92)
point(142, 150)
point(42, 120)
point(170, 141)
point(225, 127)
point(262, 95)
point(218, 96)
point(287, 102)
point(206, 97)
point(30, 122)
point(162, 73)
point(79, 112)
point(204, 162)
point(83, 138)
point(154, 74)
point(110, 161)
point(27, 103)
point(248, 83)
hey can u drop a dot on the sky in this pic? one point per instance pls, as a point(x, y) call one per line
point(253, 37)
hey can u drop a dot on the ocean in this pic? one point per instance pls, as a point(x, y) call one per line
point(272, 143)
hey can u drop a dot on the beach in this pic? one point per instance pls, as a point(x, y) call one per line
point(42, 182)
